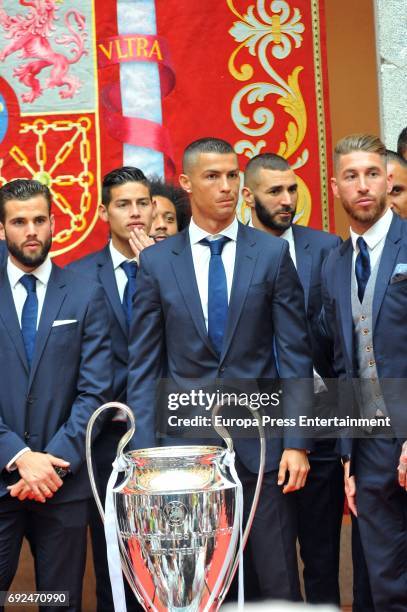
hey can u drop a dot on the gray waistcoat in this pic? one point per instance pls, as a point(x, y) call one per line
point(369, 394)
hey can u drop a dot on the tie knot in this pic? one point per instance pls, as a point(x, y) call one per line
point(362, 245)
point(216, 246)
point(29, 282)
point(130, 268)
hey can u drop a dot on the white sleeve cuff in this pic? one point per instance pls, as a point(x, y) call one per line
point(11, 466)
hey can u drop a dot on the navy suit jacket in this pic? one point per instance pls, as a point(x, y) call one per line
point(3, 252)
point(99, 267)
point(389, 319)
point(266, 300)
point(48, 406)
point(311, 248)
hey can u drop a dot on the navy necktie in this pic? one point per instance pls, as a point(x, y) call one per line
point(362, 267)
point(130, 268)
point(29, 315)
point(217, 293)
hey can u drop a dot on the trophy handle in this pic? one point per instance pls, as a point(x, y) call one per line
point(120, 447)
point(223, 432)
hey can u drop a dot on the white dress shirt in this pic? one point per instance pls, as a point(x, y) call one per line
point(201, 256)
point(121, 276)
point(289, 236)
point(19, 293)
point(374, 237)
point(42, 274)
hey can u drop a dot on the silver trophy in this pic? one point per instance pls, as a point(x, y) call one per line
point(177, 516)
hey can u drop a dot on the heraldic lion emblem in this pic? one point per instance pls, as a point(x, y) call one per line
point(30, 34)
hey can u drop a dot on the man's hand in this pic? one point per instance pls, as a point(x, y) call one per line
point(37, 471)
point(139, 241)
point(350, 488)
point(297, 464)
point(22, 491)
point(402, 468)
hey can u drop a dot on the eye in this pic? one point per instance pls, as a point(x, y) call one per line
point(396, 190)
point(233, 175)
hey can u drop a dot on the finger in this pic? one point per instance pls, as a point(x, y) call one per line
point(292, 481)
point(402, 472)
point(282, 473)
point(352, 505)
point(38, 494)
point(52, 480)
point(303, 478)
point(133, 247)
point(46, 491)
point(58, 461)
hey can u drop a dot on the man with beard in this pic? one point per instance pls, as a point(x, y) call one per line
point(55, 364)
point(365, 304)
point(397, 169)
point(271, 190)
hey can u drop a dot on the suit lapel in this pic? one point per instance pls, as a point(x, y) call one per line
point(345, 298)
point(55, 295)
point(303, 256)
point(109, 284)
point(386, 265)
point(184, 271)
point(8, 314)
point(245, 261)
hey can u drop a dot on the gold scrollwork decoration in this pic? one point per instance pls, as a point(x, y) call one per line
point(268, 35)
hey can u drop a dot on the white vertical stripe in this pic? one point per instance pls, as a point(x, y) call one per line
point(140, 82)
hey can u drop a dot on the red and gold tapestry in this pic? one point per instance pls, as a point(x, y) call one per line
point(87, 86)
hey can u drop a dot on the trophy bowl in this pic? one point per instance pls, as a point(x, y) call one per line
point(178, 517)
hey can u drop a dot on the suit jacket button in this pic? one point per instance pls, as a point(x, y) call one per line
point(29, 400)
point(26, 435)
point(222, 369)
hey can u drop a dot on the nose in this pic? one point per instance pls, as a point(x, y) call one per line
point(160, 223)
point(134, 210)
point(363, 186)
point(31, 229)
point(225, 184)
point(286, 198)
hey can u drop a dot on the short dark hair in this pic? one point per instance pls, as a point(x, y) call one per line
point(176, 195)
point(22, 189)
point(392, 156)
point(402, 142)
point(268, 161)
point(205, 145)
point(120, 176)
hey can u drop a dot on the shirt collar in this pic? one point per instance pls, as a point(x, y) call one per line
point(288, 234)
point(374, 234)
point(42, 273)
point(117, 257)
point(196, 233)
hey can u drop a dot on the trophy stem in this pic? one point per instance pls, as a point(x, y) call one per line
point(262, 463)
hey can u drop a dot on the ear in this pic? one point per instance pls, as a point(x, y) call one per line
point(248, 196)
point(389, 183)
point(52, 220)
point(2, 232)
point(185, 182)
point(334, 187)
point(103, 214)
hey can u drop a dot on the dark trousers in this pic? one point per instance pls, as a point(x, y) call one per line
point(271, 569)
point(57, 537)
point(319, 508)
point(104, 452)
point(382, 521)
point(362, 594)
